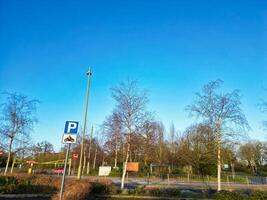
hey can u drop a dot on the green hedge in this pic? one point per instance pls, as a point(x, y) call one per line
point(255, 195)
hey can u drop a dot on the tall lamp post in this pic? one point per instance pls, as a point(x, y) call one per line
point(84, 125)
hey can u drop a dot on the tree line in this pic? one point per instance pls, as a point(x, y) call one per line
point(131, 133)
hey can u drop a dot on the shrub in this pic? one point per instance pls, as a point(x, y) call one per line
point(75, 189)
point(116, 172)
point(162, 192)
point(225, 195)
point(28, 184)
point(82, 189)
point(256, 195)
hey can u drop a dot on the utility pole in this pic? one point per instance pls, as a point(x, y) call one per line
point(84, 125)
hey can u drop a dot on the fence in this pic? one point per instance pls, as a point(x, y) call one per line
point(226, 180)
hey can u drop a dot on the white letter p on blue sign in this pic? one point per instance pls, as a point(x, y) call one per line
point(71, 127)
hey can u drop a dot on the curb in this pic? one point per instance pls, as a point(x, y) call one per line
point(22, 196)
point(146, 197)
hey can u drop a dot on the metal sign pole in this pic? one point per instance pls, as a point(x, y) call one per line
point(64, 172)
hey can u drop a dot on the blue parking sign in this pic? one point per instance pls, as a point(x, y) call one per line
point(71, 127)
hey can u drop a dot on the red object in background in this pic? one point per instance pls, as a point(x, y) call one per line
point(75, 156)
point(58, 170)
point(1, 152)
point(30, 162)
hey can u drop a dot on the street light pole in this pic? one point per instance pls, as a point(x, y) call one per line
point(84, 125)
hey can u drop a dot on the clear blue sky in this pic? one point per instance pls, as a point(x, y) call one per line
point(171, 47)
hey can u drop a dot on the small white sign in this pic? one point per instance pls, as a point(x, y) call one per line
point(69, 138)
point(226, 166)
point(104, 170)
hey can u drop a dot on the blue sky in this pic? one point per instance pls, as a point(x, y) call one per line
point(171, 47)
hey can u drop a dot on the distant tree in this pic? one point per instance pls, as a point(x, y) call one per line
point(197, 149)
point(247, 153)
point(229, 155)
point(254, 153)
point(263, 108)
point(113, 129)
point(220, 111)
point(172, 144)
point(24, 149)
point(149, 142)
point(44, 147)
point(17, 119)
point(42, 150)
point(131, 108)
point(160, 130)
point(89, 150)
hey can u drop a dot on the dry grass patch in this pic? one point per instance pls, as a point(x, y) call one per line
point(83, 189)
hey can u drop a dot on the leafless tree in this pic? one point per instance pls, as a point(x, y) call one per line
point(172, 144)
point(254, 154)
point(89, 151)
point(247, 152)
point(17, 119)
point(131, 108)
point(149, 142)
point(160, 130)
point(263, 107)
point(113, 129)
point(220, 111)
point(44, 147)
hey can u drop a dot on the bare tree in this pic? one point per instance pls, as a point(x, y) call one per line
point(160, 130)
point(17, 119)
point(220, 111)
point(263, 107)
point(113, 129)
point(149, 143)
point(172, 143)
point(89, 151)
point(254, 154)
point(44, 147)
point(131, 105)
point(247, 152)
point(23, 149)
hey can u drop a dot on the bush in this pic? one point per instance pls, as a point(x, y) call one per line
point(258, 195)
point(82, 189)
point(75, 189)
point(28, 184)
point(255, 195)
point(225, 195)
point(116, 172)
point(162, 192)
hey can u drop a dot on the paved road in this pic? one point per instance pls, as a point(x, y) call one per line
point(133, 182)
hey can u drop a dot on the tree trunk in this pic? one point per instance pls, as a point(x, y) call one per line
point(219, 156)
point(103, 160)
point(233, 170)
point(89, 152)
point(95, 158)
point(125, 163)
point(84, 160)
point(9, 155)
point(116, 153)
